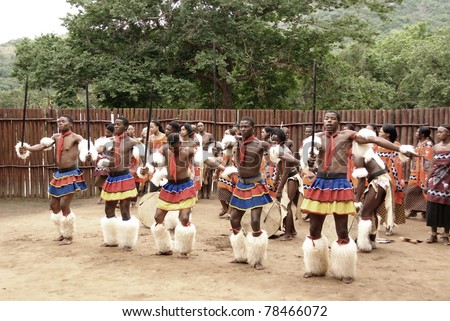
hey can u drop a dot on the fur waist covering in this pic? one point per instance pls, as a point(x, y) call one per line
point(118, 188)
point(175, 196)
point(384, 181)
point(329, 196)
point(64, 183)
point(366, 150)
point(248, 196)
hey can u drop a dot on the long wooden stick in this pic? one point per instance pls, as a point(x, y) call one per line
point(149, 118)
point(24, 115)
point(313, 108)
point(88, 117)
point(215, 86)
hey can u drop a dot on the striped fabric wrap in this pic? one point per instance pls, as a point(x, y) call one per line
point(118, 188)
point(177, 196)
point(329, 196)
point(248, 196)
point(66, 183)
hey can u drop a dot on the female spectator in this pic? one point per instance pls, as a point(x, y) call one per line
point(415, 196)
point(438, 191)
point(395, 167)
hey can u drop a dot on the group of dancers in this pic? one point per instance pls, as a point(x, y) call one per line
point(250, 172)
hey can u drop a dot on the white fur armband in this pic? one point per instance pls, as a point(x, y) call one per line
point(360, 172)
point(47, 142)
point(83, 147)
point(106, 142)
point(26, 154)
point(103, 163)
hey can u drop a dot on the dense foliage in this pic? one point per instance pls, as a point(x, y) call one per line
point(263, 52)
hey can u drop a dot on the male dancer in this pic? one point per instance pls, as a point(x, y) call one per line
point(119, 188)
point(67, 180)
point(178, 194)
point(252, 194)
point(331, 193)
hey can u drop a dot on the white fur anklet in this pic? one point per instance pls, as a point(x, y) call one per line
point(363, 242)
point(184, 238)
point(56, 219)
point(343, 260)
point(109, 230)
point(162, 238)
point(315, 256)
point(257, 248)
point(127, 232)
point(239, 245)
point(68, 225)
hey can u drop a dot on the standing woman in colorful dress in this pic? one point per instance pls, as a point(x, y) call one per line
point(415, 196)
point(438, 191)
point(395, 165)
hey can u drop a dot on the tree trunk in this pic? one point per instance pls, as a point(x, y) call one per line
point(227, 100)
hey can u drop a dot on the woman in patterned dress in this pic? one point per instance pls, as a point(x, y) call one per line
point(438, 191)
point(395, 167)
point(415, 196)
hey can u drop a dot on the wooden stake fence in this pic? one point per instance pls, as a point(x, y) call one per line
point(29, 178)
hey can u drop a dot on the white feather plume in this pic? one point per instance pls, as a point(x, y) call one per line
point(83, 147)
point(228, 171)
point(158, 158)
point(103, 163)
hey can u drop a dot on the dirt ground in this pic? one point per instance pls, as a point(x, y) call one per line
point(33, 267)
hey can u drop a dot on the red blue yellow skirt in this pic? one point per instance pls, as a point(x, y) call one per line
point(175, 196)
point(329, 196)
point(248, 196)
point(120, 187)
point(66, 182)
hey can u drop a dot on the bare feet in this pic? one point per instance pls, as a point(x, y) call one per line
point(165, 253)
point(258, 266)
point(66, 241)
point(239, 261)
point(347, 280)
point(285, 237)
point(223, 212)
point(109, 245)
point(127, 249)
point(183, 256)
point(59, 238)
point(312, 275)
